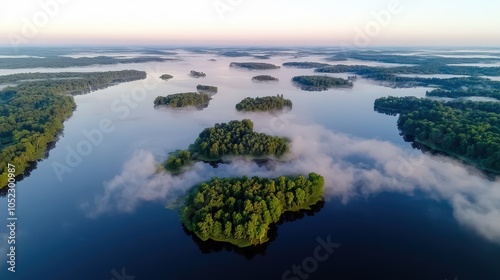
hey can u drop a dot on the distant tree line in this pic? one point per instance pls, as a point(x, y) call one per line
point(254, 65)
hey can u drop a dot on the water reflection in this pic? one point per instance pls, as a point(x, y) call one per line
point(210, 246)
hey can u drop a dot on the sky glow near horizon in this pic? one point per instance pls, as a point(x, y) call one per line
point(252, 22)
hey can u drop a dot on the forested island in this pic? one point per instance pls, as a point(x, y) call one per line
point(208, 89)
point(319, 83)
point(196, 74)
point(268, 103)
point(32, 113)
point(227, 140)
point(265, 78)
point(254, 65)
point(166, 77)
point(65, 62)
point(240, 210)
point(305, 65)
point(467, 130)
point(182, 100)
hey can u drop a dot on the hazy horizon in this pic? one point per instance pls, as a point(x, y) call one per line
point(402, 23)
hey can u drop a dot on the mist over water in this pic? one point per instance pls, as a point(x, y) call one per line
point(352, 167)
point(386, 202)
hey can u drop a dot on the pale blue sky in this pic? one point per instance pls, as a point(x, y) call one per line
point(269, 22)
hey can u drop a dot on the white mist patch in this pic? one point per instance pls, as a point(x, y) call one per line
point(351, 167)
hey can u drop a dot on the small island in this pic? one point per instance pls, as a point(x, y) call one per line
point(320, 83)
point(265, 78)
point(166, 77)
point(305, 65)
point(241, 210)
point(196, 74)
point(254, 65)
point(226, 141)
point(207, 89)
point(181, 100)
point(268, 103)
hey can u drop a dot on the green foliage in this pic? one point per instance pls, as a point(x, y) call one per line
point(33, 112)
point(237, 138)
point(267, 103)
point(318, 83)
point(204, 88)
point(175, 162)
point(465, 129)
point(264, 78)
point(240, 210)
point(180, 100)
point(254, 65)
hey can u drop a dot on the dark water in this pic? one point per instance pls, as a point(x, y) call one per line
point(382, 235)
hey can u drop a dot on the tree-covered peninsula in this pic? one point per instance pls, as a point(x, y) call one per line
point(268, 103)
point(254, 65)
point(265, 78)
point(32, 112)
point(228, 140)
point(240, 210)
point(319, 83)
point(182, 100)
point(467, 130)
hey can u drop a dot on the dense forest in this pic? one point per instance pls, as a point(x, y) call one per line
point(196, 74)
point(181, 100)
point(305, 65)
point(265, 78)
point(65, 62)
point(319, 83)
point(254, 65)
point(268, 103)
point(33, 112)
point(166, 77)
point(240, 210)
point(464, 93)
point(451, 87)
point(178, 160)
point(422, 59)
point(364, 70)
point(465, 129)
point(232, 139)
point(204, 88)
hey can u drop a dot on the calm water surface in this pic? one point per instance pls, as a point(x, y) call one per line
point(385, 235)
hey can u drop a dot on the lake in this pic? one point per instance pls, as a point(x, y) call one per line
point(395, 213)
